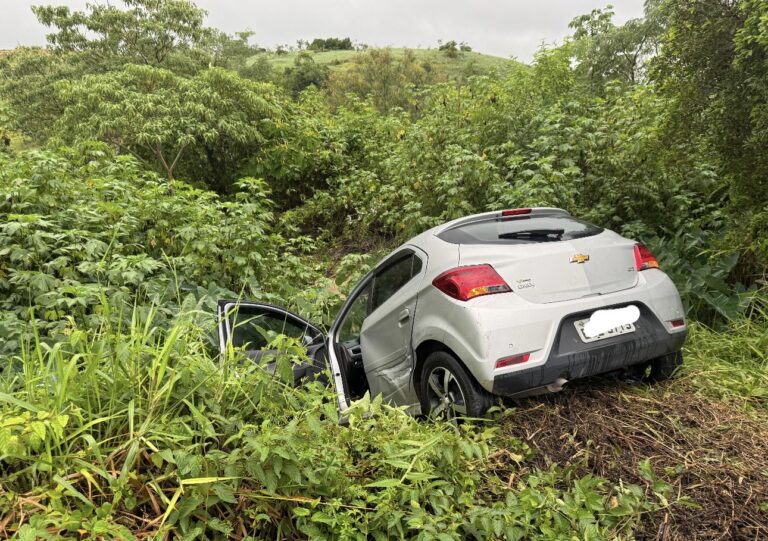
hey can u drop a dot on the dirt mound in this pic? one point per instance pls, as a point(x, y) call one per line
point(714, 454)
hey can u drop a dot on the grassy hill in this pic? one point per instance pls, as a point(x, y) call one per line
point(454, 67)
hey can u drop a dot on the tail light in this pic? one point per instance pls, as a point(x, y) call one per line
point(644, 259)
point(677, 323)
point(464, 283)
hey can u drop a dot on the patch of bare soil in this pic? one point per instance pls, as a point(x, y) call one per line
point(711, 452)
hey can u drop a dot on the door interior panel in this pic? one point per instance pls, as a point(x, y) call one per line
point(355, 352)
point(318, 363)
point(352, 359)
point(302, 372)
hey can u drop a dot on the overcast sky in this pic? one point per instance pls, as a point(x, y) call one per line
point(500, 27)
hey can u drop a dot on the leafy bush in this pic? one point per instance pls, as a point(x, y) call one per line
point(80, 225)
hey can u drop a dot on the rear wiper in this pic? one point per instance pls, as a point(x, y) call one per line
point(538, 234)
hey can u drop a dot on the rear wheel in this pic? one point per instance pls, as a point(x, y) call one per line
point(448, 390)
point(662, 368)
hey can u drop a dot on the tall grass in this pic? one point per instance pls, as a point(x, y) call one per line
point(732, 363)
point(91, 416)
point(129, 431)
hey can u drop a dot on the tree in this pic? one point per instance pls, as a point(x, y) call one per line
point(153, 32)
point(387, 79)
point(331, 44)
point(258, 69)
point(305, 153)
point(449, 48)
point(28, 76)
point(305, 72)
point(168, 121)
point(713, 68)
point(606, 52)
point(167, 33)
point(237, 53)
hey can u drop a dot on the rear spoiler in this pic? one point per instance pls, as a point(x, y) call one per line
point(500, 215)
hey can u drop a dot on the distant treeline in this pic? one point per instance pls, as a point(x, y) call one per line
point(331, 44)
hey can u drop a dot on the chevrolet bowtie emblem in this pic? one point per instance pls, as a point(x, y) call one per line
point(579, 258)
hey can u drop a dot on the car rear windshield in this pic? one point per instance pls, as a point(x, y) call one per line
point(520, 230)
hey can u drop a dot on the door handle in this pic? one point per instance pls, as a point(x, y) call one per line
point(404, 316)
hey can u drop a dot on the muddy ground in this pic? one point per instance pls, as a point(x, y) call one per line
point(714, 454)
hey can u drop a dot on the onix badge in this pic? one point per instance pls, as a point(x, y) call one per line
point(579, 258)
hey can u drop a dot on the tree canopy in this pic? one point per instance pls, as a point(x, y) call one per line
point(151, 32)
point(161, 117)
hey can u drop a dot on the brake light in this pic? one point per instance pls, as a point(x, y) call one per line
point(515, 212)
point(514, 359)
point(464, 283)
point(677, 323)
point(644, 259)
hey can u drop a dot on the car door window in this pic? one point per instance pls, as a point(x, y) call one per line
point(385, 284)
point(254, 329)
point(392, 278)
point(350, 329)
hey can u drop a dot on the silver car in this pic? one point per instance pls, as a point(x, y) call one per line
point(507, 303)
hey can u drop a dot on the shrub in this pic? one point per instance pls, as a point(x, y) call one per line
point(80, 224)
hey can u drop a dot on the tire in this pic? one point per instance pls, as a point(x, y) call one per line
point(662, 368)
point(447, 390)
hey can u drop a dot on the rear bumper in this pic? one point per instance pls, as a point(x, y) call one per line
point(571, 358)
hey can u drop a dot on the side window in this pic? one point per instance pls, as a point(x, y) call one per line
point(391, 279)
point(353, 322)
point(253, 328)
point(416, 267)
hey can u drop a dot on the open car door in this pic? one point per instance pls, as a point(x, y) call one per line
point(251, 326)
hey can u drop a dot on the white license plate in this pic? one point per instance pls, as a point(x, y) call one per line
point(610, 333)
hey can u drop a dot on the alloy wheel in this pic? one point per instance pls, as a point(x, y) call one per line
point(445, 395)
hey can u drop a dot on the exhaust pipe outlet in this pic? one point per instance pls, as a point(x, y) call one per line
point(557, 385)
point(553, 387)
